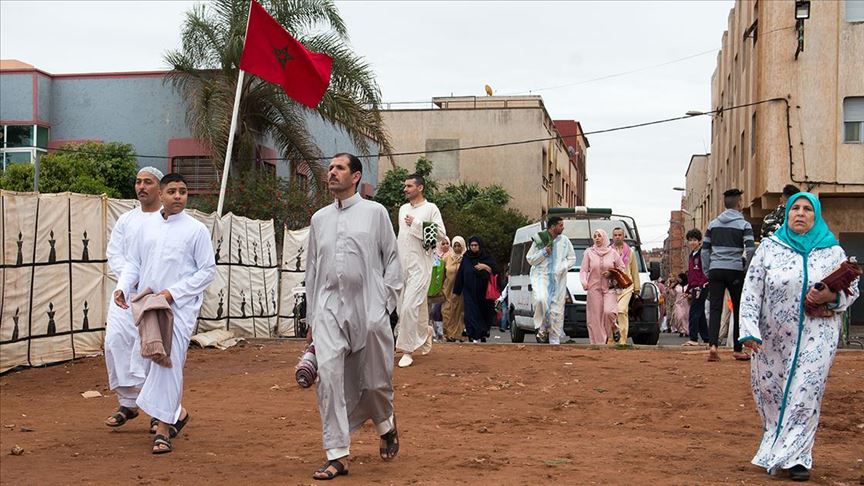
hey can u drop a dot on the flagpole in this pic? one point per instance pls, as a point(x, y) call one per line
point(240, 76)
point(230, 147)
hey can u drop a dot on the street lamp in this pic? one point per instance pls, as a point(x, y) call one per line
point(679, 189)
point(802, 13)
point(802, 10)
point(695, 113)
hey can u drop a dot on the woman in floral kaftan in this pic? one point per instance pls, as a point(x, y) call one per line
point(792, 352)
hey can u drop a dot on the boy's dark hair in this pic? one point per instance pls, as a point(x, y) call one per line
point(693, 234)
point(553, 220)
point(172, 177)
point(790, 190)
point(730, 202)
point(418, 179)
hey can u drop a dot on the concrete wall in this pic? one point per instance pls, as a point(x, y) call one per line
point(138, 110)
point(520, 169)
point(750, 146)
point(16, 96)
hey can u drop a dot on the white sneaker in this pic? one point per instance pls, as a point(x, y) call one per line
point(406, 361)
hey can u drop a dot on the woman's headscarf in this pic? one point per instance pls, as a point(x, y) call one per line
point(439, 252)
point(604, 247)
point(481, 256)
point(819, 236)
point(461, 241)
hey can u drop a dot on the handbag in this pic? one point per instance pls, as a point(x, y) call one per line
point(838, 280)
point(620, 279)
point(492, 292)
point(436, 285)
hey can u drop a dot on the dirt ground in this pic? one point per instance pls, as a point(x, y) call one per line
point(478, 414)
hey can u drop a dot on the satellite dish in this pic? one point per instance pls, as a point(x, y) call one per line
point(488, 90)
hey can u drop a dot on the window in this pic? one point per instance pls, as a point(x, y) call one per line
point(854, 10)
point(19, 136)
point(199, 171)
point(853, 119)
point(753, 134)
point(18, 145)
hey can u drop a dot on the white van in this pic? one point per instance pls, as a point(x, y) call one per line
point(579, 225)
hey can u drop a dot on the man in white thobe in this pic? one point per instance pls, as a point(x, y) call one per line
point(549, 266)
point(413, 330)
point(173, 256)
point(126, 368)
point(353, 280)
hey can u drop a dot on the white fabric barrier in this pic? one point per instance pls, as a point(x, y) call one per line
point(292, 272)
point(55, 285)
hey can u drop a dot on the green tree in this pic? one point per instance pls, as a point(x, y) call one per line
point(494, 223)
point(205, 72)
point(87, 168)
point(17, 177)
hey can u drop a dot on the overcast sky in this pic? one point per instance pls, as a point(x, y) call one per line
point(425, 49)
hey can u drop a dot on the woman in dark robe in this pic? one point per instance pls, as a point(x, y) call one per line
point(471, 282)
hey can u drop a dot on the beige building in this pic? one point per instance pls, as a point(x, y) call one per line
point(816, 143)
point(696, 193)
point(806, 122)
point(547, 172)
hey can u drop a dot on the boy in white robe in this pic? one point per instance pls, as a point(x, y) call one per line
point(413, 330)
point(173, 256)
point(353, 280)
point(123, 360)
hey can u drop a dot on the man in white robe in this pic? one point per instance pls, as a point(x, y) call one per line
point(126, 367)
point(413, 330)
point(173, 256)
point(549, 266)
point(353, 280)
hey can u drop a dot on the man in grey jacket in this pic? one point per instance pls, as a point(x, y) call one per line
point(726, 252)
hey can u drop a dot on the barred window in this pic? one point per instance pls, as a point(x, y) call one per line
point(199, 171)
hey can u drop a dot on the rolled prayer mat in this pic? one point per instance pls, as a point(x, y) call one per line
point(306, 370)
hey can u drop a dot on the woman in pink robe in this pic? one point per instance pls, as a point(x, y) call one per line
point(682, 307)
point(602, 305)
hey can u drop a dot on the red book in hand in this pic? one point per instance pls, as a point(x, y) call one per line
point(273, 55)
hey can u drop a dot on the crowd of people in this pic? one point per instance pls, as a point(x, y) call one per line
point(785, 300)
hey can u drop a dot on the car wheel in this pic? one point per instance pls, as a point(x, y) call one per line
point(516, 335)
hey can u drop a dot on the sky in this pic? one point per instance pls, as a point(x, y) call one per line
point(423, 49)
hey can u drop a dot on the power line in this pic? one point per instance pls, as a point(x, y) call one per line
point(472, 147)
point(624, 73)
point(576, 83)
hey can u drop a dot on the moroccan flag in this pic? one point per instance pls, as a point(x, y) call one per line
point(273, 55)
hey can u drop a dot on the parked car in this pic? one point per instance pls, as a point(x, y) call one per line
point(579, 224)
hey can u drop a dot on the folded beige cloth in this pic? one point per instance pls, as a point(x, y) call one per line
point(155, 321)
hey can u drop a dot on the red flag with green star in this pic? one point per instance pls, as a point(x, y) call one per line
point(273, 55)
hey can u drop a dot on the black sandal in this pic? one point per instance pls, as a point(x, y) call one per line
point(121, 416)
point(178, 425)
point(336, 464)
point(391, 438)
point(162, 444)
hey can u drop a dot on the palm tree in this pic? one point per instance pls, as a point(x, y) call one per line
point(205, 72)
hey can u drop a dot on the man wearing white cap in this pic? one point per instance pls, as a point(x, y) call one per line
point(126, 367)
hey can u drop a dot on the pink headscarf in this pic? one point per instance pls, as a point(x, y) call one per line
point(604, 247)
